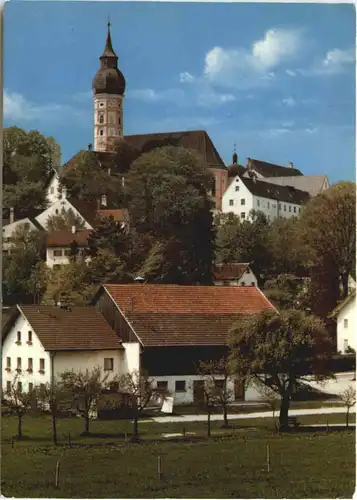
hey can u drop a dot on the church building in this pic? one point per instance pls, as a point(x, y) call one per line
point(109, 93)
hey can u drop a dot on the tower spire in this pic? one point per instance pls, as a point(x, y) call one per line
point(108, 50)
point(235, 156)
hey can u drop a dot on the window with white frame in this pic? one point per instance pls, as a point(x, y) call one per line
point(242, 215)
point(57, 253)
point(345, 323)
point(242, 201)
point(180, 385)
point(231, 203)
point(237, 188)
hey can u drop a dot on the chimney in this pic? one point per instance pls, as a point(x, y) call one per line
point(90, 147)
point(12, 215)
point(73, 229)
point(291, 165)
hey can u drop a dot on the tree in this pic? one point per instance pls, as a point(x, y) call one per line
point(270, 398)
point(19, 402)
point(279, 351)
point(64, 220)
point(85, 387)
point(348, 397)
point(22, 264)
point(53, 396)
point(86, 179)
point(109, 235)
point(216, 376)
point(28, 160)
point(140, 389)
point(328, 227)
point(287, 291)
point(243, 241)
point(168, 200)
point(289, 255)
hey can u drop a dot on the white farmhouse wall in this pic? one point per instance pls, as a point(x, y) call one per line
point(24, 351)
point(63, 259)
point(248, 278)
point(346, 327)
point(335, 386)
point(87, 360)
point(56, 209)
point(54, 191)
point(131, 357)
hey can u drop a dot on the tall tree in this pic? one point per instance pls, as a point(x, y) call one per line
point(328, 227)
point(287, 291)
point(27, 165)
point(167, 195)
point(243, 241)
point(85, 178)
point(279, 351)
point(27, 251)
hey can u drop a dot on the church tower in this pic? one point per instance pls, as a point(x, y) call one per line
point(108, 89)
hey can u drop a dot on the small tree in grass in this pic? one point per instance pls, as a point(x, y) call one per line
point(348, 397)
point(140, 390)
point(216, 376)
point(19, 402)
point(53, 397)
point(85, 387)
point(270, 398)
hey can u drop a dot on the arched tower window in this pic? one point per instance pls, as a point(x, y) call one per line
point(101, 132)
point(101, 118)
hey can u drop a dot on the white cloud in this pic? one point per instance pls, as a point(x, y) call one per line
point(19, 109)
point(336, 60)
point(243, 68)
point(290, 72)
point(276, 46)
point(186, 77)
point(311, 130)
point(289, 102)
point(150, 95)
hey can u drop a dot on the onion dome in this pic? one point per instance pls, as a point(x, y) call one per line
point(109, 79)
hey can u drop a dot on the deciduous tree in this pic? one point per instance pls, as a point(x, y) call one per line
point(19, 402)
point(53, 397)
point(348, 397)
point(85, 387)
point(168, 199)
point(280, 350)
point(66, 219)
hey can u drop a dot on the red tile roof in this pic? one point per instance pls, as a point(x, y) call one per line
point(173, 315)
point(119, 215)
point(80, 328)
point(65, 238)
point(176, 299)
point(231, 271)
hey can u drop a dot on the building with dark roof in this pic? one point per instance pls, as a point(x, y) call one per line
point(248, 193)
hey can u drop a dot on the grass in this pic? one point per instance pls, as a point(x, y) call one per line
point(103, 465)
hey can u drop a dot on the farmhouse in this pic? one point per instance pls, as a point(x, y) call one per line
point(234, 274)
point(175, 327)
point(41, 342)
point(345, 314)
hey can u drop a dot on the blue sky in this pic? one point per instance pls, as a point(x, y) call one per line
point(277, 80)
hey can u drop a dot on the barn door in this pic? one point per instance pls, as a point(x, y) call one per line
point(238, 390)
point(198, 391)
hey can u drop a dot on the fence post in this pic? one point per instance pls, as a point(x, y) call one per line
point(184, 431)
point(159, 468)
point(57, 475)
point(268, 458)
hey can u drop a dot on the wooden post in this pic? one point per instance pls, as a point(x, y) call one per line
point(12, 443)
point(327, 426)
point(184, 431)
point(268, 458)
point(159, 468)
point(69, 439)
point(57, 475)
